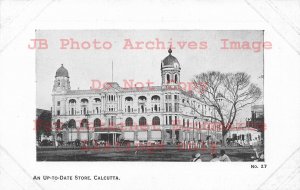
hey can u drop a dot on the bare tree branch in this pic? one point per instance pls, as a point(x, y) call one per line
point(225, 93)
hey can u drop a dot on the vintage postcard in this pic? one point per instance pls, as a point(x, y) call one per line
point(152, 94)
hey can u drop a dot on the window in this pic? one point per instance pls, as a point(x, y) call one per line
point(168, 78)
point(176, 79)
point(72, 123)
point(176, 107)
point(129, 121)
point(155, 121)
point(170, 107)
point(129, 99)
point(155, 98)
point(97, 100)
point(97, 122)
point(58, 112)
point(183, 122)
point(142, 98)
point(142, 121)
point(128, 108)
point(84, 101)
point(58, 103)
point(142, 108)
point(175, 120)
point(170, 120)
point(84, 123)
point(168, 97)
point(114, 120)
point(188, 123)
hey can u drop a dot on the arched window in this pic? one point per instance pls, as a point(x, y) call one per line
point(176, 78)
point(97, 122)
point(142, 98)
point(84, 100)
point(155, 121)
point(168, 78)
point(84, 123)
point(129, 121)
point(129, 99)
point(155, 98)
point(58, 123)
point(72, 101)
point(72, 123)
point(142, 121)
point(97, 100)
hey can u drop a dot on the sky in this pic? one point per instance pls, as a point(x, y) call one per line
point(141, 65)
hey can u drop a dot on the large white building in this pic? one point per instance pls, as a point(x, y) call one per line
point(155, 113)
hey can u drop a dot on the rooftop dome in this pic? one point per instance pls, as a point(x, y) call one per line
point(170, 61)
point(62, 72)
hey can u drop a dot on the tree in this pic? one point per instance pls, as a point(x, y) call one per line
point(43, 123)
point(226, 94)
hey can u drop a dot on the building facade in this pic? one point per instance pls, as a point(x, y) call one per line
point(113, 113)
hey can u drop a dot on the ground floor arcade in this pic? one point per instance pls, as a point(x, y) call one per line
point(116, 135)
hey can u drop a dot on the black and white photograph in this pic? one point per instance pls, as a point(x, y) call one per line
point(153, 95)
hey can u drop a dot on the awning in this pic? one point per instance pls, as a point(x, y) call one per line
point(128, 135)
point(155, 135)
point(107, 130)
point(142, 135)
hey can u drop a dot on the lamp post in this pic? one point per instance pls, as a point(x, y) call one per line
point(71, 126)
point(88, 132)
point(194, 121)
point(194, 128)
point(209, 130)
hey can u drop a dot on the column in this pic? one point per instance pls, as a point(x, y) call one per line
point(173, 136)
point(148, 134)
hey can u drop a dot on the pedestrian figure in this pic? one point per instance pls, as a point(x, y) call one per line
point(215, 158)
point(224, 157)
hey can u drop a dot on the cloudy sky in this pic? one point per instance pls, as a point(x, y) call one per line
point(141, 65)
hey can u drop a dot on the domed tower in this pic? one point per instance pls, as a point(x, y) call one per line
point(170, 70)
point(61, 82)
